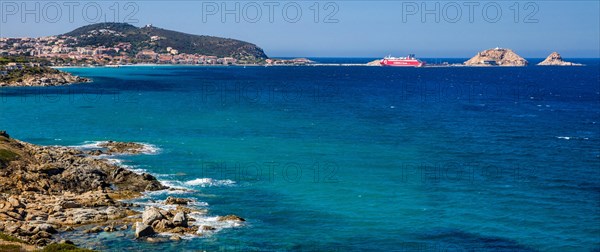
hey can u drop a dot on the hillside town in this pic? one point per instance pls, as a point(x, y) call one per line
point(59, 51)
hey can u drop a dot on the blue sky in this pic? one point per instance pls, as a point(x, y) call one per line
point(341, 28)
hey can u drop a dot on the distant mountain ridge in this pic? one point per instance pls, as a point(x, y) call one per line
point(158, 40)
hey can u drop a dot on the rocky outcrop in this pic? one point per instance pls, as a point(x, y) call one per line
point(497, 57)
point(44, 80)
point(44, 190)
point(231, 218)
point(176, 201)
point(554, 59)
point(113, 147)
point(173, 221)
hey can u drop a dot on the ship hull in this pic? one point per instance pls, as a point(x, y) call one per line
point(402, 63)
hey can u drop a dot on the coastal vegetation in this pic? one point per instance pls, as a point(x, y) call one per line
point(5, 157)
point(9, 238)
point(158, 40)
point(31, 71)
point(17, 75)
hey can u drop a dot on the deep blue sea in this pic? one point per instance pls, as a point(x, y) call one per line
point(346, 158)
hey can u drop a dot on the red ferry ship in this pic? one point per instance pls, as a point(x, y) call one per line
point(409, 61)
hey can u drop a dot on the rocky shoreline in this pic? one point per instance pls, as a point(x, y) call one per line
point(57, 78)
point(49, 190)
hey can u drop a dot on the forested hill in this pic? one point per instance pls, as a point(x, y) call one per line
point(158, 40)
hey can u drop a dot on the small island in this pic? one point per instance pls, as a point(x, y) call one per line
point(554, 59)
point(496, 57)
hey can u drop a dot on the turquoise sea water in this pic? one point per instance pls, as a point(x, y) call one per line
point(347, 158)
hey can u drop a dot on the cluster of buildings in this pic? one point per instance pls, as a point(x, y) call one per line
point(11, 66)
point(60, 50)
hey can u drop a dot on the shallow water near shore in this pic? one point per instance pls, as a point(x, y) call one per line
point(346, 158)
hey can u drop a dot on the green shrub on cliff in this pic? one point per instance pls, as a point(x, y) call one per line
point(5, 157)
point(9, 238)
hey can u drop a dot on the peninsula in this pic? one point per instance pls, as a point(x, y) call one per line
point(31, 74)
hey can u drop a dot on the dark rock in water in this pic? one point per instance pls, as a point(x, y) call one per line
point(208, 228)
point(230, 218)
point(143, 230)
point(474, 240)
point(176, 201)
point(4, 134)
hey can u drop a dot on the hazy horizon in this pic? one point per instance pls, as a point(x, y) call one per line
point(429, 29)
